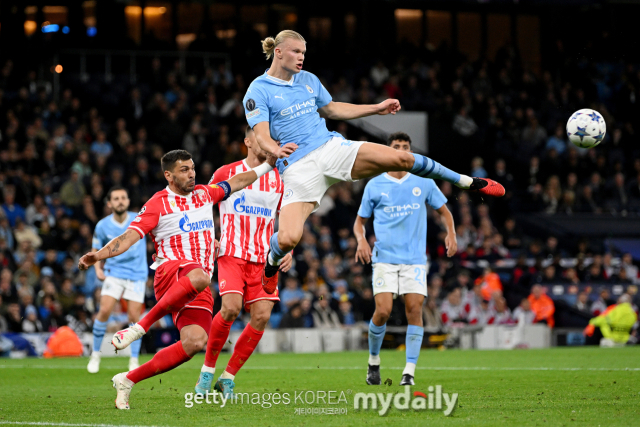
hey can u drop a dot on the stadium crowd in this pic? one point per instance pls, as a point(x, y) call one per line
point(58, 158)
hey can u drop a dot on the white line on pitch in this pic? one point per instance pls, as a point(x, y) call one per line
point(27, 423)
point(304, 368)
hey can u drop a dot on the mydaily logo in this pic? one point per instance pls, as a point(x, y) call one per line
point(382, 402)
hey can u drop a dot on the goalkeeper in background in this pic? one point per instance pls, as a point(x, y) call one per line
point(615, 323)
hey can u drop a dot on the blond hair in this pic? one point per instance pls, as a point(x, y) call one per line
point(269, 44)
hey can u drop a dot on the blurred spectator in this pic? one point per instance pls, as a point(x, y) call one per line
point(452, 309)
point(542, 306)
point(11, 209)
point(582, 303)
point(31, 323)
point(490, 283)
point(523, 313)
point(291, 294)
point(481, 315)
point(431, 315)
point(323, 315)
point(72, 192)
point(600, 305)
point(502, 314)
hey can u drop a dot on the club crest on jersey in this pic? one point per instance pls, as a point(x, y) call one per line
point(188, 226)
point(288, 194)
point(379, 282)
point(173, 203)
point(222, 284)
point(240, 207)
point(309, 89)
point(416, 191)
point(273, 183)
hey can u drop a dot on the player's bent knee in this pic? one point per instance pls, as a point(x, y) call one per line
point(287, 240)
point(200, 281)
point(260, 320)
point(230, 312)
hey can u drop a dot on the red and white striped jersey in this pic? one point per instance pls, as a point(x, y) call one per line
point(247, 217)
point(181, 227)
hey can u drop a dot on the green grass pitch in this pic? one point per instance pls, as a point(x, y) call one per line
point(559, 386)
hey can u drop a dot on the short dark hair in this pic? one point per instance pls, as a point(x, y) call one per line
point(398, 136)
point(170, 158)
point(248, 130)
point(116, 188)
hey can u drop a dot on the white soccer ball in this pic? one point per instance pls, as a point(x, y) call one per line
point(586, 128)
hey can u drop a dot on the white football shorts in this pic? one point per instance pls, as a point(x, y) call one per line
point(400, 279)
point(129, 290)
point(309, 178)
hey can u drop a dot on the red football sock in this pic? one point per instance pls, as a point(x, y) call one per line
point(174, 299)
point(164, 360)
point(247, 342)
point(217, 337)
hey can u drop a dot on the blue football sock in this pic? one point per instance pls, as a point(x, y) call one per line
point(413, 342)
point(376, 336)
point(276, 253)
point(428, 168)
point(99, 328)
point(135, 346)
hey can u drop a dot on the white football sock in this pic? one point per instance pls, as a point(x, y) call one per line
point(227, 376)
point(410, 369)
point(208, 369)
point(271, 261)
point(374, 360)
point(464, 182)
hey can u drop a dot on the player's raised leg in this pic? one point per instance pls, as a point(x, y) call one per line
point(292, 219)
point(415, 331)
point(99, 328)
point(180, 292)
point(377, 329)
point(193, 338)
point(374, 159)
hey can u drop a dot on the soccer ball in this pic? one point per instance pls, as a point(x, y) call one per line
point(586, 128)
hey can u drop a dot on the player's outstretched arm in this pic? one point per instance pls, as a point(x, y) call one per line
point(344, 111)
point(450, 241)
point(268, 144)
point(363, 252)
point(241, 180)
point(115, 247)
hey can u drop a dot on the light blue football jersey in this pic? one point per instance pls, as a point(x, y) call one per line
point(291, 108)
point(132, 264)
point(399, 207)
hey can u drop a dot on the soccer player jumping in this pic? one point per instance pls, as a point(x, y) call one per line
point(398, 202)
point(180, 222)
point(287, 104)
point(247, 219)
point(124, 277)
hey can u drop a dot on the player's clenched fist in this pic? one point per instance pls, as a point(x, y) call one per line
point(389, 106)
point(88, 260)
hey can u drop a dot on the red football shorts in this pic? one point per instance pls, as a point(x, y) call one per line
point(198, 311)
point(237, 276)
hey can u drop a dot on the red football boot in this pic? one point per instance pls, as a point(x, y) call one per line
point(487, 187)
point(270, 277)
